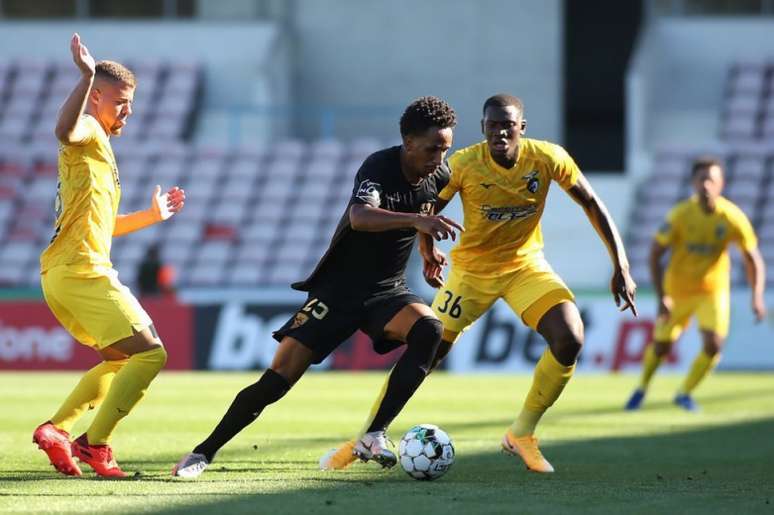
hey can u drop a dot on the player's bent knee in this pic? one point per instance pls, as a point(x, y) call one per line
point(423, 340)
point(566, 345)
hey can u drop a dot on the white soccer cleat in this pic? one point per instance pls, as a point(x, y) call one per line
point(374, 446)
point(190, 466)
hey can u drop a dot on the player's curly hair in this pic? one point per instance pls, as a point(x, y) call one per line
point(426, 112)
point(504, 100)
point(116, 72)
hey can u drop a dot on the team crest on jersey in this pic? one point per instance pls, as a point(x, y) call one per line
point(370, 193)
point(533, 183)
point(426, 208)
point(720, 231)
point(299, 320)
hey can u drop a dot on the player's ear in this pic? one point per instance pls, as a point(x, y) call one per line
point(482, 127)
point(523, 127)
point(408, 142)
point(95, 94)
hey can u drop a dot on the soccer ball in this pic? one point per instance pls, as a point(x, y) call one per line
point(426, 452)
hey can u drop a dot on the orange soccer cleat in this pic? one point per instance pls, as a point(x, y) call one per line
point(527, 448)
point(98, 457)
point(55, 443)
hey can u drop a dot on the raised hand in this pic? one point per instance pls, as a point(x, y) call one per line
point(623, 289)
point(438, 226)
point(81, 56)
point(164, 205)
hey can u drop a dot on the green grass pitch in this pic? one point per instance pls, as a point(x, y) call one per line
point(659, 460)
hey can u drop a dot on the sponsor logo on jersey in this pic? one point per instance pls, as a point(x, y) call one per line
point(533, 183)
point(507, 213)
point(370, 193)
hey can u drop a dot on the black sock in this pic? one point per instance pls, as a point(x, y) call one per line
point(410, 370)
point(245, 408)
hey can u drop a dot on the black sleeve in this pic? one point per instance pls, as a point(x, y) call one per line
point(444, 176)
point(368, 184)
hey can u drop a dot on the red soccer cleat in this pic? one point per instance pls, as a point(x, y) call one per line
point(98, 457)
point(56, 444)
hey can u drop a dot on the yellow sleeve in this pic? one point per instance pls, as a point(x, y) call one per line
point(666, 234)
point(563, 170)
point(454, 184)
point(743, 234)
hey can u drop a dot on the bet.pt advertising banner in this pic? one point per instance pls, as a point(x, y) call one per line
point(499, 341)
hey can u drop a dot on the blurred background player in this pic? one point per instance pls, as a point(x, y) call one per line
point(698, 232)
point(503, 183)
point(360, 283)
point(79, 283)
point(154, 277)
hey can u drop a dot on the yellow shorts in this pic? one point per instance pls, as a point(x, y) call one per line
point(530, 292)
point(712, 310)
point(94, 307)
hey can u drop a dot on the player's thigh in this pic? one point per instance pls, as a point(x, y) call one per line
point(713, 313)
point(668, 329)
point(534, 290)
point(105, 309)
point(52, 285)
point(399, 326)
point(462, 299)
point(321, 324)
point(292, 359)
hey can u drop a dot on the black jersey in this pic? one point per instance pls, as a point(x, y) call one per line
point(361, 263)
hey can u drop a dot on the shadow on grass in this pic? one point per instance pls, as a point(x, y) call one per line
point(720, 470)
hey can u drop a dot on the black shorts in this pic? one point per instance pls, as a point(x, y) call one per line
point(325, 322)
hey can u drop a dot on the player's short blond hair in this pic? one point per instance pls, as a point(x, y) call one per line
point(116, 72)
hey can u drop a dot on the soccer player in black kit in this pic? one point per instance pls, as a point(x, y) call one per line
point(360, 284)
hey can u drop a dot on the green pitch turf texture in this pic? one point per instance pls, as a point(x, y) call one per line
point(659, 460)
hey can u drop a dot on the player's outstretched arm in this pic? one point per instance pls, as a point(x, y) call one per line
point(756, 277)
point(163, 207)
point(68, 130)
point(621, 285)
point(366, 218)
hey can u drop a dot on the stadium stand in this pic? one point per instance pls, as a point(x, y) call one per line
point(746, 148)
point(254, 216)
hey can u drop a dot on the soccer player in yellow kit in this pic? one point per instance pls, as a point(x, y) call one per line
point(503, 183)
point(698, 231)
point(79, 283)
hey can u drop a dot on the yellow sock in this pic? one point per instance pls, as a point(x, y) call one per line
point(547, 384)
point(375, 407)
point(702, 365)
point(127, 389)
point(650, 362)
point(87, 394)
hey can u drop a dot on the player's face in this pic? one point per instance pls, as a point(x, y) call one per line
point(708, 183)
point(425, 152)
point(503, 127)
point(113, 104)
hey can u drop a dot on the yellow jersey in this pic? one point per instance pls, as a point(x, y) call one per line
point(87, 197)
point(699, 241)
point(502, 207)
